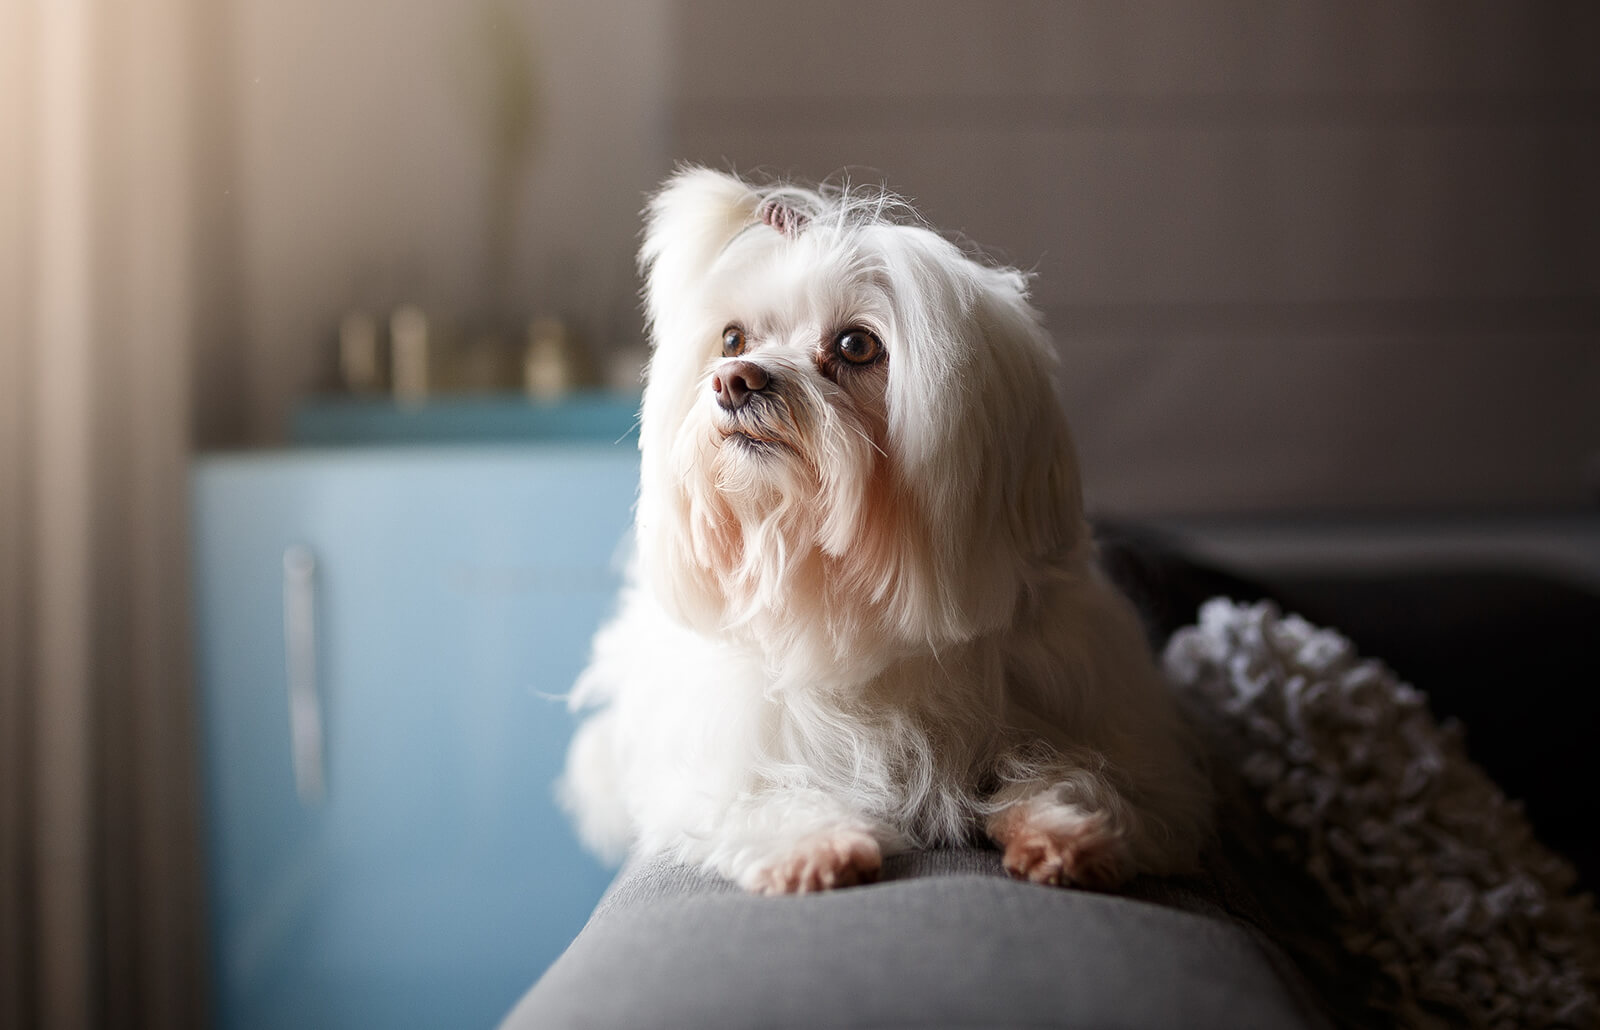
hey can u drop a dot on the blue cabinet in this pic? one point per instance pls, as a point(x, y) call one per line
point(390, 855)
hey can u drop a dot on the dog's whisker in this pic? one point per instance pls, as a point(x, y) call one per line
point(869, 441)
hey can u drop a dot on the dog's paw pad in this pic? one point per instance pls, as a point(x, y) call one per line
point(1062, 846)
point(842, 858)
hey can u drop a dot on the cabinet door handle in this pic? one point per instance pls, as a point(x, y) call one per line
point(300, 652)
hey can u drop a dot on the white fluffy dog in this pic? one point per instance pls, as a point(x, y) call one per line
point(864, 614)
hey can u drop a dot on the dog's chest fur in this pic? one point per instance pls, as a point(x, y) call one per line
point(917, 747)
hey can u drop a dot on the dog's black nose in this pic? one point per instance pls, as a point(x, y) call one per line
point(736, 381)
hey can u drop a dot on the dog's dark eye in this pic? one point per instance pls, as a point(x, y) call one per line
point(732, 341)
point(858, 346)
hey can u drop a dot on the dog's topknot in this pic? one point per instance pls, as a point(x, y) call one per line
point(838, 202)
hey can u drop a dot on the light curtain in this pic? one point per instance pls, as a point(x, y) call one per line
point(100, 910)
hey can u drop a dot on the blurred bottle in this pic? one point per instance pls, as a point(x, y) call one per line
point(554, 363)
point(412, 354)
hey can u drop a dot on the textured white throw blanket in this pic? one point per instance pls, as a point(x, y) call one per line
point(1432, 872)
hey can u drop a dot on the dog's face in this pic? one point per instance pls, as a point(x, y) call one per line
point(852, 446)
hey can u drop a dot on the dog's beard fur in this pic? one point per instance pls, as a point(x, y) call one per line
point(783, 518)
point(863, 611)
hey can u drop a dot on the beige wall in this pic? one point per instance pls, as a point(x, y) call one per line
point(1300, 256)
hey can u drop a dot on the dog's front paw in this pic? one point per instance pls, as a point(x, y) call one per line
point(835, 858)
point(1047, 842)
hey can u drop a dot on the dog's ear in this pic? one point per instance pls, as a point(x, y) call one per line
point(979, 432)
point(687, 223)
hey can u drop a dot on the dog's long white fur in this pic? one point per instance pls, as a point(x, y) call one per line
point(885, 618)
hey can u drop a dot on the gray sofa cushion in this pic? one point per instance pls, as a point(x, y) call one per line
point(946, 940)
